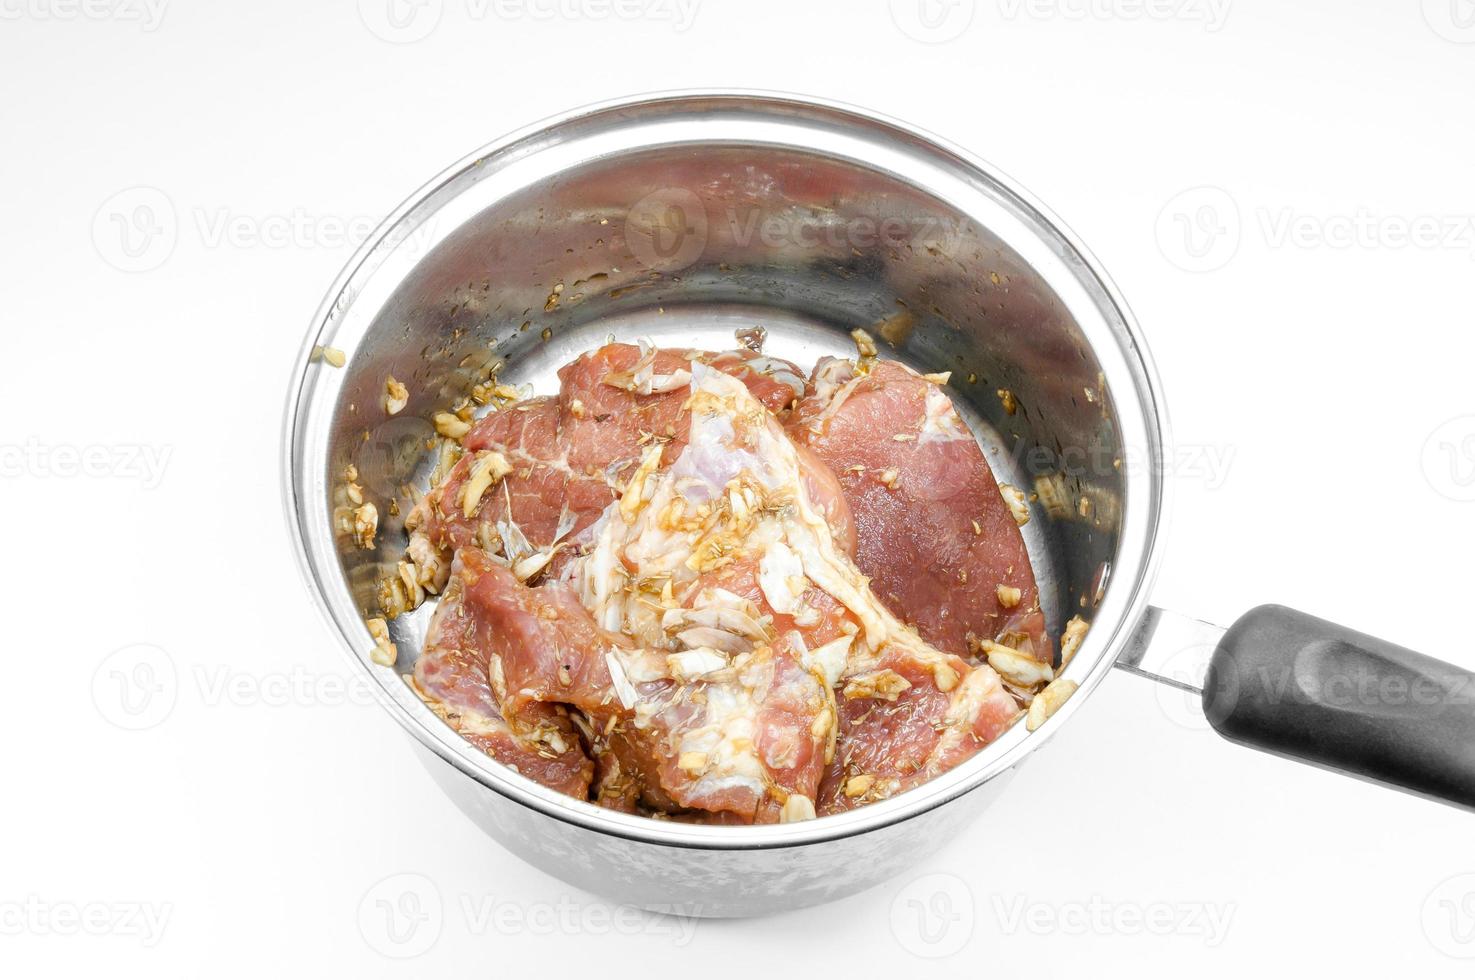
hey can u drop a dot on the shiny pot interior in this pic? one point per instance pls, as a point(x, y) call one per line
point(684, 219)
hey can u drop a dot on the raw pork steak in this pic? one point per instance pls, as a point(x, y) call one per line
point(933, 531)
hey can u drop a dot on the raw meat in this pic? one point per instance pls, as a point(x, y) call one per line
point(702, 645)
point(744, 616)
point(568, 457)
point(932, 530)
point(452, 676)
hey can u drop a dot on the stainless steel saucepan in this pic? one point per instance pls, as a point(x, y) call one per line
point(685, 218)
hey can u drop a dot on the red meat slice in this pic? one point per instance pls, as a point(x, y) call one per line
point(570, 455)
point(539, 741)
point(544, 651)
point(934, 533)
point(895, 731)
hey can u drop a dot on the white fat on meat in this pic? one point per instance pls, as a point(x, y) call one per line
point(675, 524)
point(940, 421)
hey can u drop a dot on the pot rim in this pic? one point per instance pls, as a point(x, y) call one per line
point(320, 571)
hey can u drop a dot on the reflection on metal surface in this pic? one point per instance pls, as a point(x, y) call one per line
point(1171, 649)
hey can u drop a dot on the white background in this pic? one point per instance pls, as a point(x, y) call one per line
point(258, 817)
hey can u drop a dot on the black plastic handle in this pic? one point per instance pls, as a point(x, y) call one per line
point(1303, 688)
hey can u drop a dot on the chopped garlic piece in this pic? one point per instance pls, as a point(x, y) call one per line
point(797, 807)
point(1048, 701)
point(1050, 488)
point(1017, 668)
point(1018, 504)
point(486, 469)
point(944, 676)
point(365, 525)
point(1070, 640)
point(414, 591)
point(526, 568)
point(885, 685)
point(1008, 595)
point(384, 653)
point(450, 426)
point(396, 396)
point(332, 355)
point(634, 497)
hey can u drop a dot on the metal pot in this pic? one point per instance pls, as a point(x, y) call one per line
point(686, 217)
